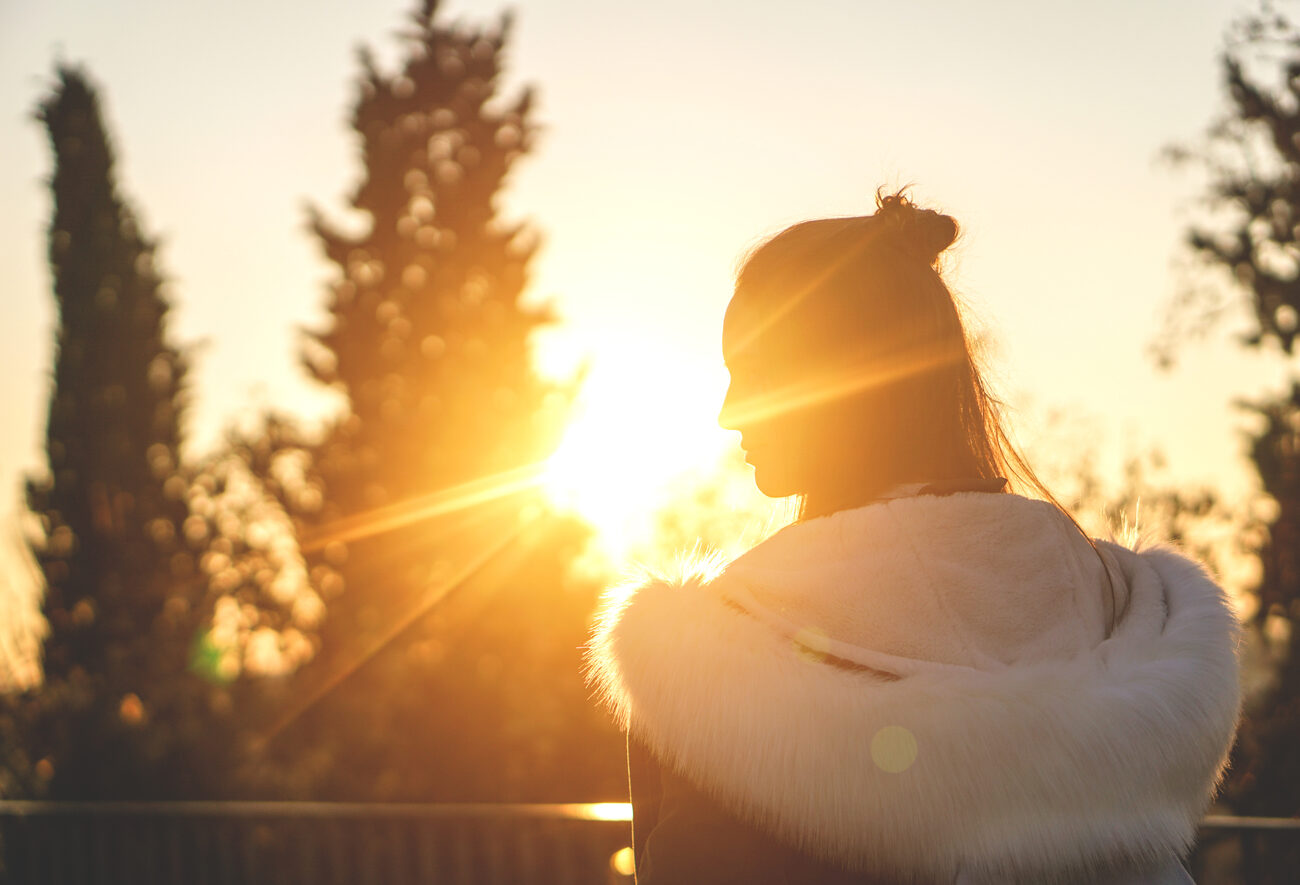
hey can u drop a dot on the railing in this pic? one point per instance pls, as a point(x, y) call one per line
point(286, 843)
point(1246, 850)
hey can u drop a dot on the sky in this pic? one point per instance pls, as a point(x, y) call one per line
point(676, 136)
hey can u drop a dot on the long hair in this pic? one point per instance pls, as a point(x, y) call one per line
point(858, 308)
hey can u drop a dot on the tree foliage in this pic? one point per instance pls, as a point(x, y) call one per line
point(1252, 237)
point(428, 336)
point(1252, 156)
point(449, 663)
point(164, 582)
point(113, 505)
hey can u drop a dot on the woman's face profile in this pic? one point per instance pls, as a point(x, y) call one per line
point(763, 403)
point(808, 419)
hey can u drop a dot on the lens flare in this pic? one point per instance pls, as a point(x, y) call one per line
point(633, 441)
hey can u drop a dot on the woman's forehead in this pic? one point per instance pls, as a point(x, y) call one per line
point(741, 326)
point(757, 327)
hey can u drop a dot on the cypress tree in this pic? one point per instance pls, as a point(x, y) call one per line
point(113, 503)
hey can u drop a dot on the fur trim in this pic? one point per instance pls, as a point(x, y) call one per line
point(1034, 768)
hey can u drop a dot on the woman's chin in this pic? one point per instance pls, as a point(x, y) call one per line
point(774, 483)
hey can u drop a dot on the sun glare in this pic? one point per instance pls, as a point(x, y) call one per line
point(631, 441)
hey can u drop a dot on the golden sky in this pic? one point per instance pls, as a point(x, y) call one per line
point(677, 135)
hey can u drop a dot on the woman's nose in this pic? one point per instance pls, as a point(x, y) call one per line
point(727, 413)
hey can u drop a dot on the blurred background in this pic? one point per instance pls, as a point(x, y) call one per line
point(350, 350)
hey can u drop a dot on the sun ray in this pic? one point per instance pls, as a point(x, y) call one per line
point(440, 503)
point(433, 595)
point(454, 501)
point(793, 397)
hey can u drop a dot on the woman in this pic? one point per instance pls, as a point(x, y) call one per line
point(926, 678)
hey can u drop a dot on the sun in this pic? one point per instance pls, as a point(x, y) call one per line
point(634, 436)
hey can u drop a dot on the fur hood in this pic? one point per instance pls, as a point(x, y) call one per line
point(930, 685)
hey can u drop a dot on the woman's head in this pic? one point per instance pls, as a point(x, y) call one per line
point(850, 368)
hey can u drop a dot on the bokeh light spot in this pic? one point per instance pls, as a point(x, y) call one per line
point(131, 710)
point(621, 862)
point(893, 749)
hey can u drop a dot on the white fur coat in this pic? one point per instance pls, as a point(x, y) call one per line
point(927, 686)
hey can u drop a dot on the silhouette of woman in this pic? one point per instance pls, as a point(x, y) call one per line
point(927, 678)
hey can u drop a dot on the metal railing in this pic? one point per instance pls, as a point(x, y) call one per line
point(318, 843)
point(287, 843)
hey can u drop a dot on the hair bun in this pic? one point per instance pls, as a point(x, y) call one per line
point(922, 233)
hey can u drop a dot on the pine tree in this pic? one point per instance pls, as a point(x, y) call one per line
point(113, 504)
point(428, 338)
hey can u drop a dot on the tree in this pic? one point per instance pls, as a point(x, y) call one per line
point(1252, 239)
point(1266, 771)
point(1253, 158)
point(113, 505)
point(164, 581)
point(449, 664)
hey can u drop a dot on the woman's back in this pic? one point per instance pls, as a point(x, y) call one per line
point(918, 762)
point(682, 836)
point(909, 686)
